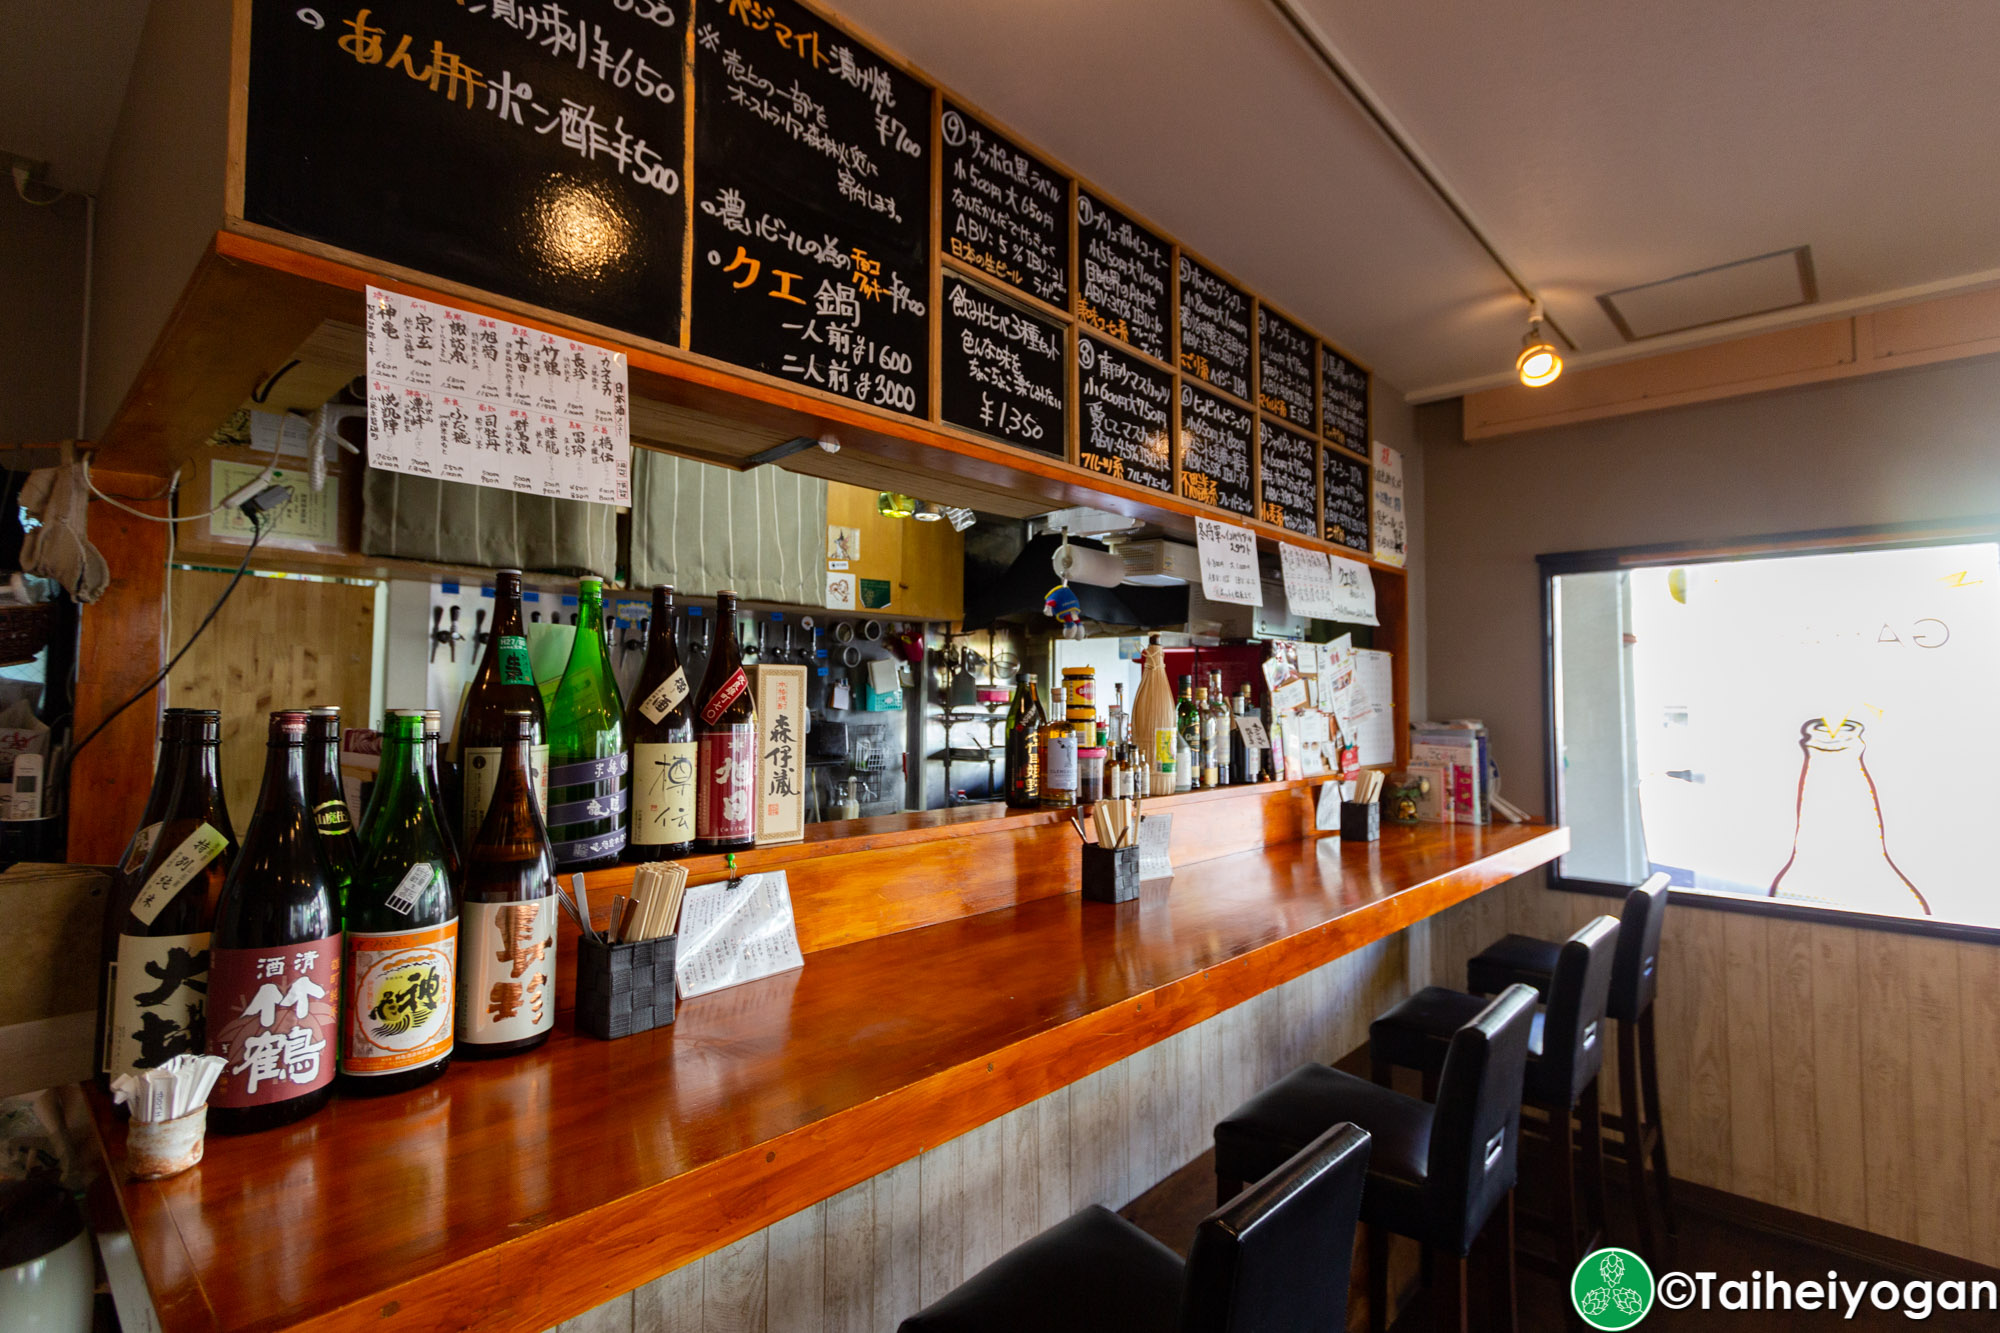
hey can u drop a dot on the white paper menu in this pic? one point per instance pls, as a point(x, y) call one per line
point(732, 935)
point(1228, 556)
point(463, 397)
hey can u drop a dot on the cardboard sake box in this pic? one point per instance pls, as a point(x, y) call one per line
point(780, 693)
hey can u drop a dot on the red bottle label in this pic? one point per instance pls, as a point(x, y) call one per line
point(725, 695)
point(726, 786)
point(274, 1018)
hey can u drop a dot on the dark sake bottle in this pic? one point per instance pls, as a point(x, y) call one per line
point(725, 812)
point(1024, 748)
point(401, 950)
point(660, 717)
point(507, 915)
point(503, 682)
point(587, 760)
point(328, 797)
point(434, 776)
point(161, 906)
point(274, 975)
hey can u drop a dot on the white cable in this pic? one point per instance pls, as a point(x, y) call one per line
point(234, 498)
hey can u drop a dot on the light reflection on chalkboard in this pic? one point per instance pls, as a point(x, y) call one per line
point(578, 232)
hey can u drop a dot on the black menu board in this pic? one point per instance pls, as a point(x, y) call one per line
point(1216, 439)
point(812, 235)
point(530, 153)
point(1005, 211)
point(1004, 370)
point(1126, 414)
point(1343, 401)
point(1284, 368)
point(1215, 329)
point(1123, 277)
point(1346, 501)
point(1286, 472)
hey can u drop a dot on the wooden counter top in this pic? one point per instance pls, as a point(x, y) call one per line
point(512, 1195)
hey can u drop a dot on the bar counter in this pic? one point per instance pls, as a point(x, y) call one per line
point(512, 1195)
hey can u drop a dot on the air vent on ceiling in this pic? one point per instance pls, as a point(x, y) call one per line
point(1758, 286)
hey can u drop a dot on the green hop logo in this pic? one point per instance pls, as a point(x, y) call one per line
point(1612, 1289)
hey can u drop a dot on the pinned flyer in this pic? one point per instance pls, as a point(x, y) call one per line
point(1228, 563)
point(1353, 592)
point(1308, 582)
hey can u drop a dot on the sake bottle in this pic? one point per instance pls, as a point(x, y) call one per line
point(725, 808)
point(507, 914)
point(587, 762)
point(328, 798)
point(504, 681)
point(661, 714)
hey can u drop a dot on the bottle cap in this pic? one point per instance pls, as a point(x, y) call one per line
point(288, 724)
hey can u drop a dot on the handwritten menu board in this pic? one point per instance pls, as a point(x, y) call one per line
point(1343, 401)
point(1004, 370)
point(812, 233)
point(1346, 516)
point(1005, 210)
point(522, 149)
point(1288, 477)
point(1215, 329)
point(1127, 415)
point(1216, 439)
point(1284, 368)
point(1123, 277)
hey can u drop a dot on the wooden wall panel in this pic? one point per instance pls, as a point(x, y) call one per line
point(874, 1254)
point(1846, 1074)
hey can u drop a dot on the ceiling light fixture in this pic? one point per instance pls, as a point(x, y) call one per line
point(1539, 363)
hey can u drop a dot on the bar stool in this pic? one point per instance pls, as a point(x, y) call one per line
point(1274, 1259)
point(1635, 981)
point(1565, 1054)
point(1437, 1172)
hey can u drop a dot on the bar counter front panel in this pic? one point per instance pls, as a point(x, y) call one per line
point(960, 1084)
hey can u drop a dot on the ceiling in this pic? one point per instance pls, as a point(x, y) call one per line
point(1599, 147)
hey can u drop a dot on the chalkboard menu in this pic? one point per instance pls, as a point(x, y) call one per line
point(1284, 368)
point(1005, 211)
point(1004, 370)
point(1215, 329)
point(1343, 401)
point(1216, 439)
point(1127, 415)
point(1123, 279)
point(533, 154)
point(812, 234)
point(1346, 501)
point(1288, 477)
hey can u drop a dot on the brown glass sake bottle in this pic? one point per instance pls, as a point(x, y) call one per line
point(503, 682)
point(659, 720)
point(507, 914)
point(274, 973)
point(328, 797)
point(161, 905)
point(725, 815)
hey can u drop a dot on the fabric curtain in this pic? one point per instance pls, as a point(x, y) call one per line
point(450, 522)
point(703, 528)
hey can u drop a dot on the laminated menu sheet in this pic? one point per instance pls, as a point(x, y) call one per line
point(733, 931)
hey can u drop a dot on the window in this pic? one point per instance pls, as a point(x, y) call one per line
point(1798, 725)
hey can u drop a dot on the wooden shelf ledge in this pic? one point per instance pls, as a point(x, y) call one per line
point(515, 1194)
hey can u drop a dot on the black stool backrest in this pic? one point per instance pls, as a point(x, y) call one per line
point(1635, 978)
point(1476, 1129)
point(1573, 1027)
point(1275, 1258)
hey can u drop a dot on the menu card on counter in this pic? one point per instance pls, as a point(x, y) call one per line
point(1215, 329)
point(462, 397)
point(1127, 415)
point(1228, 556)
point(1003, 369)
point(1284, 368)
point(1005, 211)
point(527, 150)
point(1217, 437)
point(1124, 277)
point(1346, 505)
point(1343, 405)
point(1285, 470)
point(733, 934)
point(812, 236)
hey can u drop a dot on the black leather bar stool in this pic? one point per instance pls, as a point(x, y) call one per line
point(1437, 1173)
point(1565, 1055)
point(1635, 982)
point(1274, 1259)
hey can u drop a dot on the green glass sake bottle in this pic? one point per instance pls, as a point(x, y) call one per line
point(587, 761)
point(401, 947)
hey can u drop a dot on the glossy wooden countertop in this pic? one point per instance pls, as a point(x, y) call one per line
point(515, 1194)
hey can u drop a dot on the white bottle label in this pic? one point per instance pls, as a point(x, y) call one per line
point(415, 880)
point(666, 697)
point(1059, 764)
point(159, 986)
point(481, 766)
point(506, 970)
point(173, 873)
point(663, 793)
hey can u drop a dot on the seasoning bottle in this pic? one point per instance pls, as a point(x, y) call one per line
point(1058, 745)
